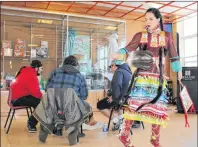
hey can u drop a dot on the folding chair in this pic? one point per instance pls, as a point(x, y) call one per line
point(111, 117)
point(14, 108)
point(124, 99)
point(81, 134)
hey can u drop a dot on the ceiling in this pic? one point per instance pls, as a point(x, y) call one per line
point(118, 9)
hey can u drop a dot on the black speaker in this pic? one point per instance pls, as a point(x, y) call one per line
point(189, 80)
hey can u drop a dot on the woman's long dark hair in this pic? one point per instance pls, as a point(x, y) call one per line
point(157, 14)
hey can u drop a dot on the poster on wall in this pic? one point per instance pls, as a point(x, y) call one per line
point(33, 53)
point(6, 48)
point(20, 48)
point(82, 46)
point(42, 51)
point(85, 66)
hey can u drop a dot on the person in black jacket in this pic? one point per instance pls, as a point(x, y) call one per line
point(119, 87)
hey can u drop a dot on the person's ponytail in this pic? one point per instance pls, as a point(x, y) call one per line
point(161, 24)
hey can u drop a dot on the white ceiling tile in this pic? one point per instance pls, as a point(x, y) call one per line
point(139, 10)
point(105, 5)
point(183, 12)
point(124, 8)
point(134, 4)
point(168, 9)
point(194, 7)
point(181, 4)
point(89, 3)
point(151, 5)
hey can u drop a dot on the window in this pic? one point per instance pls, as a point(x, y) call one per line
point(190, 51)
point(190, 26)
point(190, 46)
point(188, 41)
point(102, 58)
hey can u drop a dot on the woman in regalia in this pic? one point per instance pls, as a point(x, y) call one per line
point(148, 100)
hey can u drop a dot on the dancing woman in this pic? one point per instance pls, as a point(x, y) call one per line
point(148, 100)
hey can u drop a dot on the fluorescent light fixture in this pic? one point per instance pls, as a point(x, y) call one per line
point(32, 45)
point(45, 21)
point(111, 28)
point(38, 35)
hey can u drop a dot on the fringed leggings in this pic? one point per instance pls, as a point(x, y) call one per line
point(125, 134)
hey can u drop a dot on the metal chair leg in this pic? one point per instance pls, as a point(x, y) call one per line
point(81, 134)
point(142, 124)
point(7, 118)
point(131, 131)
point(110, 119)
point(31, 110)
point(10, 122)
point(28, 113)
point(81, 129)
point(78, 140)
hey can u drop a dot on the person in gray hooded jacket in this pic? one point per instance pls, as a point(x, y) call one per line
point(61, 107)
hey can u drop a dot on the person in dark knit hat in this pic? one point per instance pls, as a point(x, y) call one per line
point(25, 90)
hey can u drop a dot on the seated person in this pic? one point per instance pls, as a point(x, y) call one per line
point(25, 90)
point(61, 107)
point(119, 88)
point(68, 76)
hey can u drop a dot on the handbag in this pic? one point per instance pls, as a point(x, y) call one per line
point(187, 102)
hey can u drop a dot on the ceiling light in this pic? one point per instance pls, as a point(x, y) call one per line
point(38, 35)
point(32, 45)
point(45, 21)
point(111, 28)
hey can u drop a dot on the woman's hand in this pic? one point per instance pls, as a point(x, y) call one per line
point(180, 76)
point(110, 100)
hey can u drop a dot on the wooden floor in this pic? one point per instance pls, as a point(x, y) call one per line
point(175, 135)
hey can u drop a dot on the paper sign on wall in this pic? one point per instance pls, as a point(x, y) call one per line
point(6, 48)
point(43, 50)
point(19, 48)
point(33, 53)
